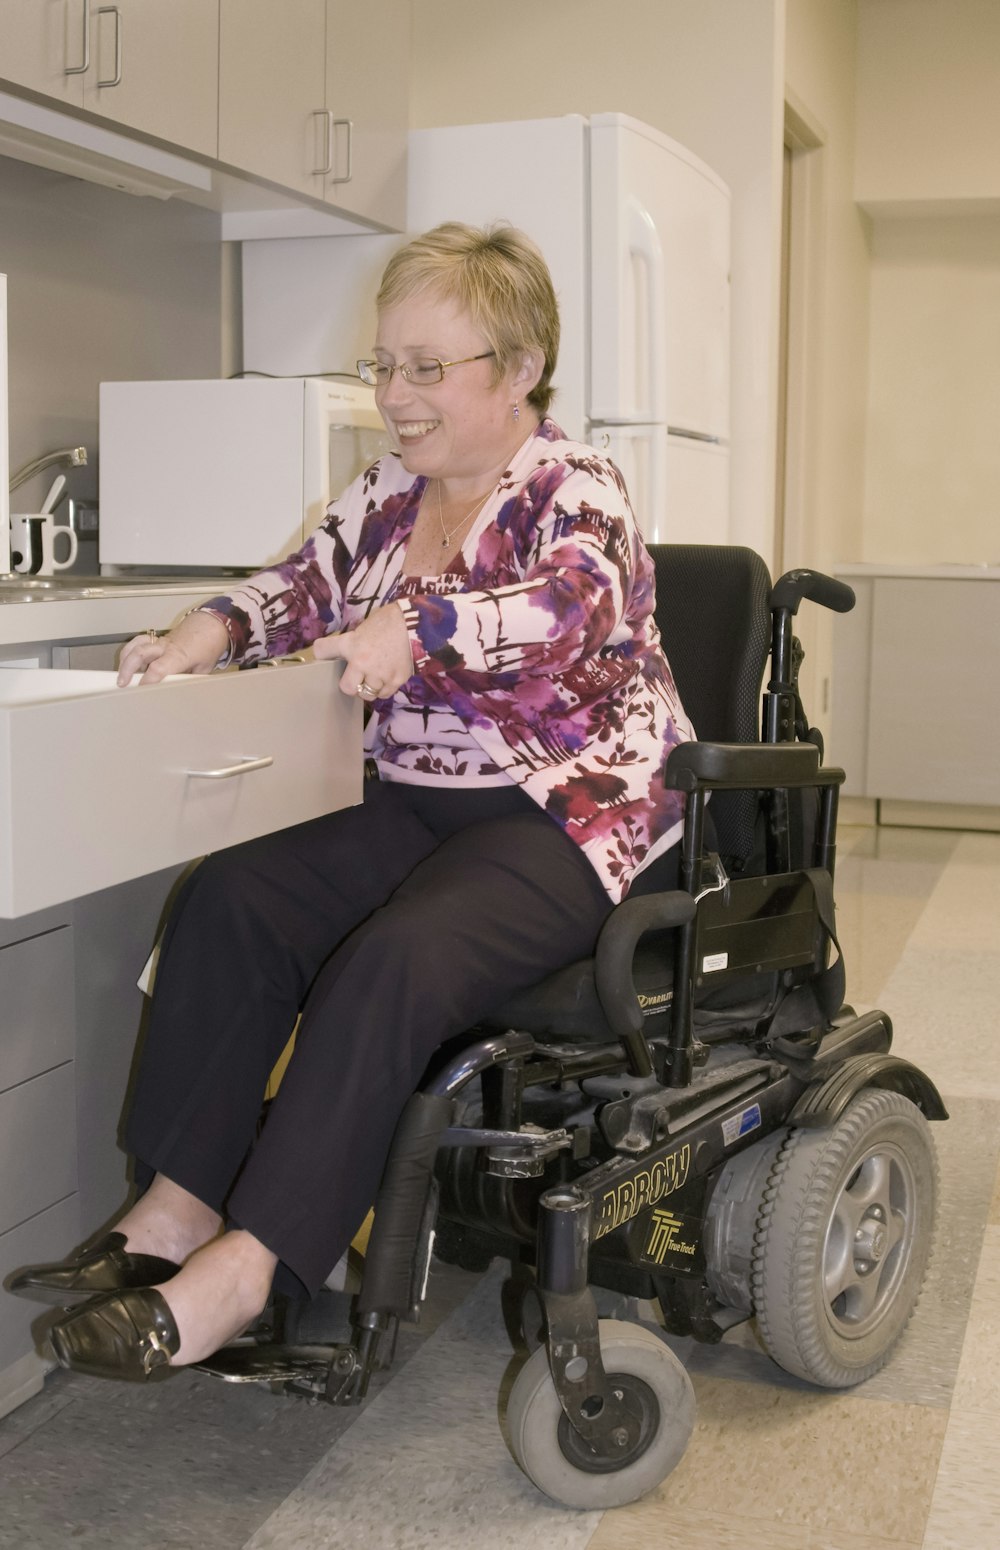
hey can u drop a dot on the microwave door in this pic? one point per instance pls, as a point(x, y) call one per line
point(352, 449)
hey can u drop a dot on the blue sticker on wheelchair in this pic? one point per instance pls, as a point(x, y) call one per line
point(741, 1124)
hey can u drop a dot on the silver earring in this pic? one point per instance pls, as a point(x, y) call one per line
point(517, 412)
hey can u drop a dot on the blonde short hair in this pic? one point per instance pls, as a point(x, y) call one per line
point(499, 277)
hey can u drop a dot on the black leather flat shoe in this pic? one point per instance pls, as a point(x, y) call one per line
point(107, 1266)
point(130, 1336)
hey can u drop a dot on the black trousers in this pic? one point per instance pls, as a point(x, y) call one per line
point(392, 926)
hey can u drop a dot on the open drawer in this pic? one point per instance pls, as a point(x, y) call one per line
point(99, 784)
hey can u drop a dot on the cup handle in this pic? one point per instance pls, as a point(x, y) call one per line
point(70, 534)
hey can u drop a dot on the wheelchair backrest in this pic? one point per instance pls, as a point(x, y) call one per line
point(714, 619)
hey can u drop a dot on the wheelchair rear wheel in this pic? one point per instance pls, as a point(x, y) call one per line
point(843, 1239)
point(642, 1368)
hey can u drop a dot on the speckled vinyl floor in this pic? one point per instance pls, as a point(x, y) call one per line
point(908, 1461)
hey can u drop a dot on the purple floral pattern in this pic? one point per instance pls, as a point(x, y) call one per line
point(539, 647)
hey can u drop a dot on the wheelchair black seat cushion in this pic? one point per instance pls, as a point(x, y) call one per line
point(565, 1007)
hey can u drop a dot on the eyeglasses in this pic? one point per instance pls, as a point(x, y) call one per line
point(423, 373)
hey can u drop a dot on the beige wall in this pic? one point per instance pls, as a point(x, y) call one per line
point(707, 74)
point(830, 304)
point(828, 333)
point(932, 492)
point(100, 285)
point(929, 100)
point(929, 170)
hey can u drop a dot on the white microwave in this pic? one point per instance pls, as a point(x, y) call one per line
point(226, 475)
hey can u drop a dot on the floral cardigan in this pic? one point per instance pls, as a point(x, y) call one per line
point(540, 642)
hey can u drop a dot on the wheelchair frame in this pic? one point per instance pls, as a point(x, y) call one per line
point(670, 1117)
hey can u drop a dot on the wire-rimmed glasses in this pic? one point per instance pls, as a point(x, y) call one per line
point(422, 373)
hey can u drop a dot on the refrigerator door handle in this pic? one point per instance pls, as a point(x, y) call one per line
point(649, 279)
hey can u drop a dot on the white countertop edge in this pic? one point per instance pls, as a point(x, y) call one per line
point(82, 618)
point(920, 572)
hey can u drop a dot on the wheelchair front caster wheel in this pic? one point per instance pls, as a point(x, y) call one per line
point(653, 1382)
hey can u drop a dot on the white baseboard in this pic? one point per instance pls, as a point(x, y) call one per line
point(938, 815)
point(22, 1380)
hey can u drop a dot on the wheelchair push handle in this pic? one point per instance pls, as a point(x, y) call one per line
point(795, 585)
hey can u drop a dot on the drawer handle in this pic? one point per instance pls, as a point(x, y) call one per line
point(243, 768)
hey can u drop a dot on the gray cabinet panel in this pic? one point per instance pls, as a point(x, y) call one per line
point(37, 1145)
point(934, 715)
point(50, 1235)
point(36, 993)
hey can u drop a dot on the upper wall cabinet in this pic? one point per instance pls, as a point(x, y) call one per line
point(45, 45)
point(314, 95)
point(149, 64)
point(154, 65)
point(367, 110)
point(272, 89)
point(311, 96)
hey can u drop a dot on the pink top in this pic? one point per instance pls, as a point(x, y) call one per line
point(536, 658)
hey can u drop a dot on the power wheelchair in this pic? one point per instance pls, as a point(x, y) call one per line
point(694, 1117)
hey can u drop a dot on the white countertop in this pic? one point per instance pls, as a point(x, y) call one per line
point(113, 608)
point(982, 572)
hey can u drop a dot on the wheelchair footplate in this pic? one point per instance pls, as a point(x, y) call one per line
point(308, 1371)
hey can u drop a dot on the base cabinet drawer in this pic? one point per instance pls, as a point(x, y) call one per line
point(37, 1145)
point(99, 785)
point(49, 1235)
point(36, 994)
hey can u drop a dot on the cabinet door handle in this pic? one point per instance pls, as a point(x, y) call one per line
point(327, 167)
point(243, 768)
point(348, 123)
point(82, 69)
point(112, 10)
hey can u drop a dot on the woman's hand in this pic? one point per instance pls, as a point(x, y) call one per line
point(377, 654)
point(193, 646)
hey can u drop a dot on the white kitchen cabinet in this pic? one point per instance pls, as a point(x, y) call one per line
point(272, 89)
point(314, 95)
point(154, 66)
point(151, 65)
point(367, 108)
point(100, 784)
point(310, 96)
point(104, 786)
point(40, 40)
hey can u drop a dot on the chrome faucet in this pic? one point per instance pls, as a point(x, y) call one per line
point(68, 457)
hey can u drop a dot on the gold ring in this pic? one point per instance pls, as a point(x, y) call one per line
point(366, 691)
point(152, 635)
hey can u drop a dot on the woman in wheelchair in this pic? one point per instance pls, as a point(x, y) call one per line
point(489, 595)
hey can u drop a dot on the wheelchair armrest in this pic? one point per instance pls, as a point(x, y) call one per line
point(616, 948)
point(747, 766)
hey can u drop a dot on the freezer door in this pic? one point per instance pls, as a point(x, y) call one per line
point(678, 486)
point(696, 507)
point(639, 451)
point(660, 281)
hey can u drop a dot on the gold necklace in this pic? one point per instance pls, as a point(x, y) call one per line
point(446, 537)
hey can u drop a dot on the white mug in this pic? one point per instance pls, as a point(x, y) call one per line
point(33, 541)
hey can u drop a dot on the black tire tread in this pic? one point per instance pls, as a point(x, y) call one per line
point(791, 1223)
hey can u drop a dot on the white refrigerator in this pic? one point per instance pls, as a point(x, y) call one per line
point(635, 230)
